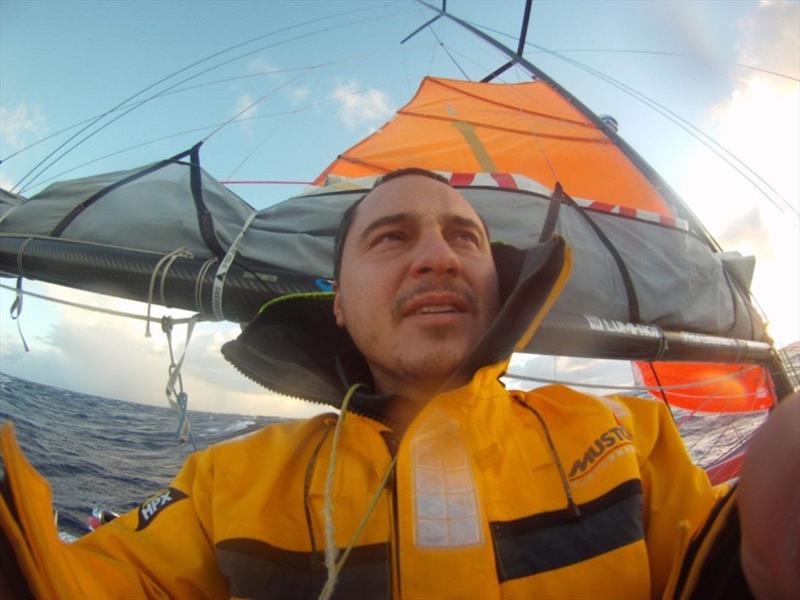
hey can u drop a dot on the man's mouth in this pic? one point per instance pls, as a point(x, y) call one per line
point(435, 303)
point(435, 309)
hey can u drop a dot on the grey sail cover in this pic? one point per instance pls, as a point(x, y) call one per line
point(678, 281)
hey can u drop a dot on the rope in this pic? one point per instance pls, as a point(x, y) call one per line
point(198, 286)
point(326, 592)
point(167, 260)
point(97, 309)
point(20, 270)
point(330, 540)
point(16, 311)
point(333, 565)
point(181, 398)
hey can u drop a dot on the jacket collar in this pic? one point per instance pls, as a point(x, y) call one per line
point(294, 347)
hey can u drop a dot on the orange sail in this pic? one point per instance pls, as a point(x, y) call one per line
point(525, 128)
point(709, 387)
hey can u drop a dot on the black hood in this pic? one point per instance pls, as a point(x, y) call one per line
point(294, 346)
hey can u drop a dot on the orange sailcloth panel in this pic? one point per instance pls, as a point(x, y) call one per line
point(710, 387)
point(525, 128)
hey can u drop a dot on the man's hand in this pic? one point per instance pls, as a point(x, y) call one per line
point(769, 505)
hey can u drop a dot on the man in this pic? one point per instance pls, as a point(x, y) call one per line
point(435, 481)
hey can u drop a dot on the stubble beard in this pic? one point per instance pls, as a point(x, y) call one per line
point(417, 370)
point(424, 369)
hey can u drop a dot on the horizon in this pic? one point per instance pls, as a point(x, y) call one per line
point(753, 113)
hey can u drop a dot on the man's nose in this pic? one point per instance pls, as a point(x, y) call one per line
point(434, 255)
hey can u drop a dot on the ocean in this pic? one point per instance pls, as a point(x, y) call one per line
point(114, 454)
point(100, 452)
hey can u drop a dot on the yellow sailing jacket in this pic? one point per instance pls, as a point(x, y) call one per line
point(495, 493)
point(477, 508)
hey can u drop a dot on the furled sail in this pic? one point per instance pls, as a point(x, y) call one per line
point(515, 150)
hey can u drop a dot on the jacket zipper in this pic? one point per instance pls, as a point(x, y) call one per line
point(393, 444)
point(396, 536)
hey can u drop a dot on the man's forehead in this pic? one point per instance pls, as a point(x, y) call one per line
point(414, 196)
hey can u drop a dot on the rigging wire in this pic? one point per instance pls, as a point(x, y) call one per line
point(172, 92)
point(441, 43)
point(664, 53)
point(405, 65)
point(158, 82)
point(116, 313)
point(98, 309)
point(504, 78)
point(125, 112)
point(116, 152)
point(690, 128)
point(642, 388)
point(714, 444)
point(675, 118)
point(251, 106)
point(294, 111)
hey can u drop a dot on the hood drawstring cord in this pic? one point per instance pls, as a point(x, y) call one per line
point(573, 511)
point(333, 565)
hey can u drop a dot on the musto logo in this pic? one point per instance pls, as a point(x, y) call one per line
point(607, 448)
point(153, 506)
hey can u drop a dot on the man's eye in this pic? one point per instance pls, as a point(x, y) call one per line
point(389, 236)
point(467, 236)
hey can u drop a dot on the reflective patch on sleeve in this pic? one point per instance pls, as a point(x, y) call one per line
point(155, 504)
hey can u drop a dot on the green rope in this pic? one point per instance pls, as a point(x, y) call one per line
point(333, 565)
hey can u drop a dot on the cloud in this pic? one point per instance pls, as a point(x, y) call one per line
point(571, 370)
point(743, 231)
point(245, 109)
point(244, 105)
point(369, 107)
point(298, 94)
point(109, 356)
point(20, 121)
point(759, 122)
point(769, 39)
point(260, 64)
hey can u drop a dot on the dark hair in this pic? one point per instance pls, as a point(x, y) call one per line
point(350, 214)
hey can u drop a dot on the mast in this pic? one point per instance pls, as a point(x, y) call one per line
point(516, 58)
point(783, 383)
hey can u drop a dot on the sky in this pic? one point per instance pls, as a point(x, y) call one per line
point(296, 83)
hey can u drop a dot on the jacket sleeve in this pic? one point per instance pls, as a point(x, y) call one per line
point(688, 522)
point(162, 549)
point(711, 566)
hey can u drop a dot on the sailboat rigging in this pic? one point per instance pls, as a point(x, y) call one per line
point(651, 283)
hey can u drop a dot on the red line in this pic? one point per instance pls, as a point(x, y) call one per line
point(504, 180)
point(256, 181)
point(601, 206)
point(459, 179)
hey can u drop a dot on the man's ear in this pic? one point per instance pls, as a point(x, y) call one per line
point(337, 308)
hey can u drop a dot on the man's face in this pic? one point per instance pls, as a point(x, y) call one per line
point(418, 285)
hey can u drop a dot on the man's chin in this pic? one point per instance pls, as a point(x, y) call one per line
point(434, 366)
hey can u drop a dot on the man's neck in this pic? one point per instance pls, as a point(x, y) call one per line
point(418, 392)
